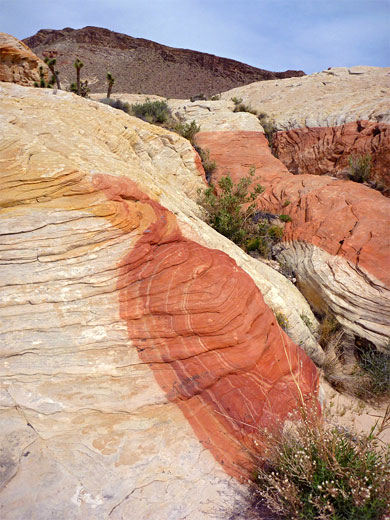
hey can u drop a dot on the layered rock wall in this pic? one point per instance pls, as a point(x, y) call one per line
point(18, 64)
point(327, 150)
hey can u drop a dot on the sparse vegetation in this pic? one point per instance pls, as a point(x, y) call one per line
point(118, 104)
point(78, 66)
point(269, 128)
point(282, 320)
point(42, 82)
point(110, 84)
point(307, 321)
point(50, 62)
point(239, 106)
point(314, 471)
point(360, 167)
point(209, 165)
point(285, 218)
point(216, 97)
point(376, 364)
point(236, 100)
point(231, 210)
point(329, 326)
point(198, 97)
point(286, 203)
point(154, 112)
point(187, 130)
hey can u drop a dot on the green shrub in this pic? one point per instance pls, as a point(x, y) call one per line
point(360, 167)
point(236, 100)
point(285, 218)
point(154, 112)
point(307, 321)
point(118, 104)
point(286, 203)
point(198, 97)
point(282, 320)
point(209, 166)
point(377, 365)
point(328, 328)
point(269, 128)
point(241, 107)
point(217, 97)
point(313, 471)
point(187, 130)
point(225, 210)
point(231, 210)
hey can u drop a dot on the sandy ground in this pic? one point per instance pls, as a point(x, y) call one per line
point(352, 413)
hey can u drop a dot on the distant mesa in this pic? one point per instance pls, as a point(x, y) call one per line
point(140, 65)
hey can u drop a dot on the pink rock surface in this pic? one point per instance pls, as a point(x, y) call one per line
point(202, 325)
point(326, 150)
point(341, 217)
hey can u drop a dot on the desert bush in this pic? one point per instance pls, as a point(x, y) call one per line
point(329, 326)
point(216, 97)
point(241, 107)
point(377, 365)
point(314, 471)
point(269, 128)
point(225, 209)
point(198, 97)
point(282, 320)
point(154, 112)
point(285, 218)
point(187, 130)
point(118, 104)
point(231, 210)
point(360, 167)
point(209, 165)
point(236, 100)
point(306, 320)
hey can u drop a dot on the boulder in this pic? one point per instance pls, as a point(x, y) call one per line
point(18, 64)
point(137, 359)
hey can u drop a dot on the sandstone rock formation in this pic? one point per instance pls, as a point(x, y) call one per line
point(17, 63)
point(136, 360)
point(140, 65)
point(319, 151)
point(329, 98)
point(337, 243)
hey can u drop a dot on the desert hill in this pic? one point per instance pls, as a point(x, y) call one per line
point(140, 65)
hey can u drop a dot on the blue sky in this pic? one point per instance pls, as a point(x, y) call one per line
point(271, 34)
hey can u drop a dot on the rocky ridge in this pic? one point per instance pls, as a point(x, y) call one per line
point(140, 65)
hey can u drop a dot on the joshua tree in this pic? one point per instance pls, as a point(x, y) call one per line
point(111, 81)
point(50, 63)
point(78, 65)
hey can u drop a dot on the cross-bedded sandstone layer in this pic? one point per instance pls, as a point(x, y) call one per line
point(131, 354)
point(327, 150)
point(18, 64)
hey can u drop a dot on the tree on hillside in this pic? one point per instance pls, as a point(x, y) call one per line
point(50, 63)
point(111, 82)
point(78, 65)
